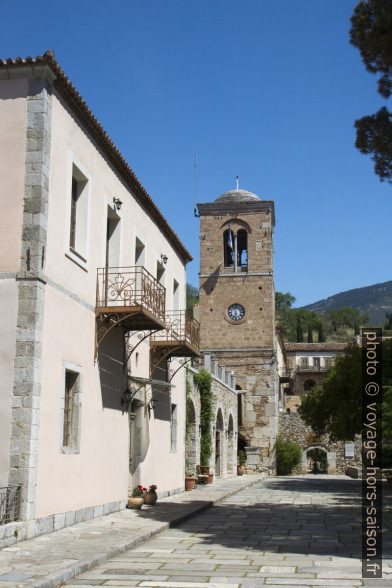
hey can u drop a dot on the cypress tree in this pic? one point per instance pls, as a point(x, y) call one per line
point(321, 336)
point(300, 334)
point(310, 334)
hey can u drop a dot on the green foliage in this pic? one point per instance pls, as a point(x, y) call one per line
point(192, 298)
point(241, 457)
point(371, 33)
point(203, 381)
point(288, 456)
point(335, 324)
point(188, 424)
point(346, 317)
point(300, 334)
point(320, 333)
point(283, 300)
point(388, 322)
point(336, 408)
point(374, 137)
point(319, 456)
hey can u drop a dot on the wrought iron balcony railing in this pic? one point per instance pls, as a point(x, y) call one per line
point(126, 287)
point(130, 297)
point(181, 331)
point(312, 368)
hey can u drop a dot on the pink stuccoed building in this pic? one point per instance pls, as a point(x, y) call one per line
point(93, 322)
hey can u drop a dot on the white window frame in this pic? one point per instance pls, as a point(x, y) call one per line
point(77, 406)
point(81, 256)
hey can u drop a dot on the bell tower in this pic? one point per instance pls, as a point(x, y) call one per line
point(237, 311)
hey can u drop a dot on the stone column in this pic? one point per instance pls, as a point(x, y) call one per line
point(31, 295)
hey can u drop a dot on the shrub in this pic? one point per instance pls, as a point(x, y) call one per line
point(288, 456)
point(203, 381)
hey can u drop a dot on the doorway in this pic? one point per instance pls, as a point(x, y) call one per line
point(218, 444)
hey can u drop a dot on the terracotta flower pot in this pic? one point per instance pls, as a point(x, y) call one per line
point(240, 470)
point(135, 502)
point(150, 497)
point(190, 483)
point(204, 470)
point(210, 478)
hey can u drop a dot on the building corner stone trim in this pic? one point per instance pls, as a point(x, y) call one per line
point(31, 298)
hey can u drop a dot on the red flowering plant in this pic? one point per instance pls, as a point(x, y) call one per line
point(139, 490)
point(152, 488)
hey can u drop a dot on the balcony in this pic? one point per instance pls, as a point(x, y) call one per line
point(312, 368)
point(130, 297)
point(181, 336)
point(286, 375)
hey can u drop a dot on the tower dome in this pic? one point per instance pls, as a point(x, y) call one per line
point(237, 196)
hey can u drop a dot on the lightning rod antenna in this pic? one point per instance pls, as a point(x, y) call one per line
point(195, 187)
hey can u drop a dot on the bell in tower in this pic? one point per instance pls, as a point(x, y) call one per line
point(237, 311)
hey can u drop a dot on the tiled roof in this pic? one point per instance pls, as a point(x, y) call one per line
point(79, 106)
point(331, 346)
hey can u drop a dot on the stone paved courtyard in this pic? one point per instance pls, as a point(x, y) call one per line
point(288, 531)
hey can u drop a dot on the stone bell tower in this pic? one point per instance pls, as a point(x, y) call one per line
point(237, 311)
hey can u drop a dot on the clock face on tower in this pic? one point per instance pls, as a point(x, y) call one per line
point(236, 312)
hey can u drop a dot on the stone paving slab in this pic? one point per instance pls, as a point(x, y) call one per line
point(229, 546)
point(49, 560)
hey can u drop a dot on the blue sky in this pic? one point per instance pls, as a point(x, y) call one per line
point(264, 89)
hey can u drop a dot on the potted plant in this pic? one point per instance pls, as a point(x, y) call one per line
point(241, 462)
point(190, 480)
point(210, 478)
point(151, 496)
point(137, 497)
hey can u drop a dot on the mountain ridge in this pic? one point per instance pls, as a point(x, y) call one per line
point(375, 299)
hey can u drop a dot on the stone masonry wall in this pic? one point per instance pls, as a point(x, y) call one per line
point(292, 428)
point(31, 298)
point(256, 375)
point(225, 400)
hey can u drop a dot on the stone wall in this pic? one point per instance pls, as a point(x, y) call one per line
point(293, 428)
point(224, 426)
point(257, 377)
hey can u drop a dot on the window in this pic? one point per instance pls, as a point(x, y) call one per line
point(235, 249)
point(308, 385)
point(316, 362)
point(239, 406)
point(71, 411)
point(349, 450)
point(139, 252)
point(173, 427)
point(78, 214)
point(242, 249)
point(161, 273)
point(176, 295)
point(304, 362)
point(228, 245)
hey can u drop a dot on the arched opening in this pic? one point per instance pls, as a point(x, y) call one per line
point(239, 406)
point(228, 248)
point(242, 249)
point(231, 461)
point(191, 458)
point(218, 443)
point(308, 385)
point(317, 460)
